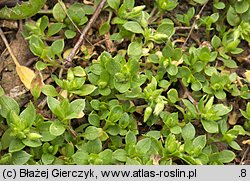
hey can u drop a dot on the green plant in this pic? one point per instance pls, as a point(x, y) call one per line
point(166, 94)
point(25, 10)
point(246, 115)
point(185, 18)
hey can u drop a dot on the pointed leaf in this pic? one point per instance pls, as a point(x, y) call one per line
point(26, 75)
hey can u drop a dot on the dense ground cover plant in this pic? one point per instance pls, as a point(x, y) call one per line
point(154, 84)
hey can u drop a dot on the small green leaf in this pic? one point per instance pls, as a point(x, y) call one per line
point(134, 49)
point(58, 12)
point(54, 29)
point(54, 106)
point(188, 132)
point(75, 109)
point(143, 145)
point(220, 94)
point(235, 145)
point(113, 130)
point(158, 108)
point(226, 156)
point(124, 120)
point(199, 141)
point(115, 113)
point(190, 107)
point(20, 157)
point(85, 90)
point(222, 110)
point(28, 115)
point(70, 34)
point(41, 65)
point(106, 156)
point(113, 67)
point(57, 46)
point(44, 22)
point(216, 41)
point(122, 87)
point(94, 146)
point(94, 119)
point(36, 45)
point(232, 18)
point(7, 104)
point(120, 155)
point(32, 143)
point(16, 145)
point(241, 6)
point(80, 158)
point(130, 138)
point(173, 95)
point(210, 126)
point(47, 158)
point(230, 63)
point(172, 69)
point(91, 133)
point(147, 113)
point(201, 1)
point(114, 4)
point(104, 28)
point(49, 90)
point(175, 130)
point(219, 5)
point(56, 128)
point(133, 26)
point(196, 86)
point(6, 139)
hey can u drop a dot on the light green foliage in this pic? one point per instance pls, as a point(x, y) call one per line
point(137, 94)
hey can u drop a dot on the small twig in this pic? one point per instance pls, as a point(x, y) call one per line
point(244, 155)
point(187, 93)
point(8, 47)
point(42, 11)
point(182, 28)
point(65, 11)
point(197, 17)
point(85, 31)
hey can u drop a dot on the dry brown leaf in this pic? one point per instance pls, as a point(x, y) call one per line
point(156, 159)
point(26, 75)
point(247, 74)
point(38, 80)
point(246, 142)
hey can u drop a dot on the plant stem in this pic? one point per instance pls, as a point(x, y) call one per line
point(197, 17)
point(8, 47)
point(84, 32)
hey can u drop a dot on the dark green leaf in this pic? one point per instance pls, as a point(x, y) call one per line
point(80, 158)
point(7, 104)
point(20, 157)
